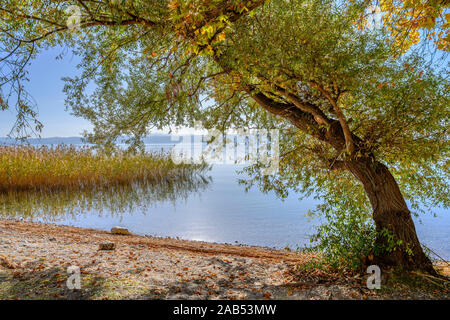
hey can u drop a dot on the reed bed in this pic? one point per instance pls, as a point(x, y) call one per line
point(28, 168)
point(111, 201)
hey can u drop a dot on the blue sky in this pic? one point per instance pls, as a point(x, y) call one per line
point(46, 87)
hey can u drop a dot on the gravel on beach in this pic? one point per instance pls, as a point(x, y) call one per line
point(35, 257)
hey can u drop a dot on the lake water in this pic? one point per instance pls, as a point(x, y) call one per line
point(223, 212)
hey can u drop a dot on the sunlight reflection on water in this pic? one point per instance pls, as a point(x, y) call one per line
point(221, 211)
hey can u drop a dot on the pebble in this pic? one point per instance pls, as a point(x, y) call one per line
point(107, 246)
point(120, 230)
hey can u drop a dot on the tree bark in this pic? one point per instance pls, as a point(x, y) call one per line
point(390, 213)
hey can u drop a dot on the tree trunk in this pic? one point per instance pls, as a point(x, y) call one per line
point(390, 213)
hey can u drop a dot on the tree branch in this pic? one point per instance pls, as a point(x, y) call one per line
point(349, 143)
point(318, 114)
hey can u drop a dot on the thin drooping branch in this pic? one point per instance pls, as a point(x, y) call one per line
point(61, 27)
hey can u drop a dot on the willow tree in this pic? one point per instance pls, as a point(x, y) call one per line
point(358, 126)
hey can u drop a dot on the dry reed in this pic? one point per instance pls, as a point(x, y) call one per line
point(24, 168)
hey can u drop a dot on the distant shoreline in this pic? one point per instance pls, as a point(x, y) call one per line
point(150, 139)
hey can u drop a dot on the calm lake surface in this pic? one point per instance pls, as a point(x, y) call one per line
point(223, 212)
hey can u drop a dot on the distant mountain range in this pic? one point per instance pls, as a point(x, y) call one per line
point(151, 139)
point(39, 141)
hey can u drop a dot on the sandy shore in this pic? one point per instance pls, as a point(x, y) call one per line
point(34, 258)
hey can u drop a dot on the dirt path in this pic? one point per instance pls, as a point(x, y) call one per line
point(34, 259)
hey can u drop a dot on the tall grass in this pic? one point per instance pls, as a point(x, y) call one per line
point(27, 168)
